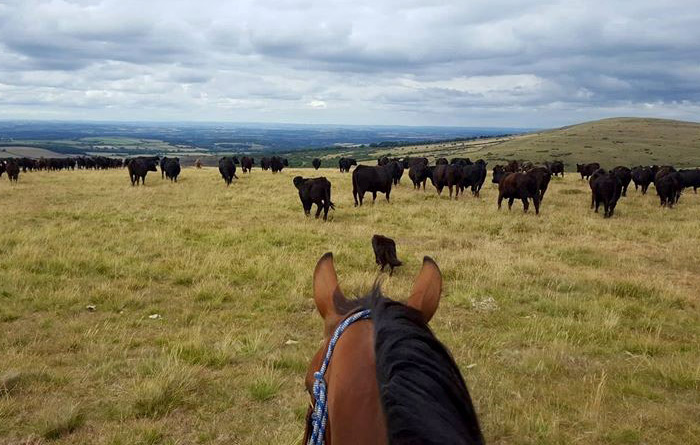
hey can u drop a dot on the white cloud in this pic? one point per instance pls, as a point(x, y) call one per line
point(318, 104)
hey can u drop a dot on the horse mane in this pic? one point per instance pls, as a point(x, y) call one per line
point(423, 394)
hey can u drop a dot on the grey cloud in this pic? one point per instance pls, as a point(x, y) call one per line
point(392, 61)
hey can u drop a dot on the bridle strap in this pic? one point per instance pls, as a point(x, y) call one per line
point(319, 417)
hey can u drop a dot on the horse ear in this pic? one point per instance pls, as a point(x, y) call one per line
point(425, 296)
point(326, 289)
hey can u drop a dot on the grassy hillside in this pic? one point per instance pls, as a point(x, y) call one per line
point(30, 152)
point(612, 142)
point(568, 328)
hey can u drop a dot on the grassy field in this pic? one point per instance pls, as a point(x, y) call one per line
point(568, 328)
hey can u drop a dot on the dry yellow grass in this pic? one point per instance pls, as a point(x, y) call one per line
point(568, 328)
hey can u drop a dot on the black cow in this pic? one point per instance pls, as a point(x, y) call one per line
point(690, 178)
point(277, 164)
point(227, 168)
point(441, 161)
point(542, 176)
point(371, 179)
point(555, 168)
point(385, 253)
point(12, 169)
point(606, 188)
point(512, 167)
point(314, 191)
point(624, 174)
point(172, 169)
point(461, 161)
point(163, 161)
point(265, 163)
point(448, 176)
point(669, 187)
point(662, 171)
point(384, 160)
point(519, 186)
point(642, 177)
point(419, 173)
point(474, 176)
point(247, 164)
point(345, 163)
point(139, 167)
point(587, 170)
point(316, 163)
point(499, 172)
point(408, 162)
point(396, 171)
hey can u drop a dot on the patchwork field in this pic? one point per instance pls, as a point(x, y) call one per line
point(568, 328)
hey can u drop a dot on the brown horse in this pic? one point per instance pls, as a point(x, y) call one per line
point(381, 376)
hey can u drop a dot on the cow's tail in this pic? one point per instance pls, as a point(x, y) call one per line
point(328, 197)
point(354, 188)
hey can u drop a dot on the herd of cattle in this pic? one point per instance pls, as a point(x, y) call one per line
point(516, 181)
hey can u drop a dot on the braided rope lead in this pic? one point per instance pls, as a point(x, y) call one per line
point(319, 418)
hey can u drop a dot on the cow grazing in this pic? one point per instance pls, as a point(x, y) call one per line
point(449, 176)
point(227, 168)
point(642, 177)
point(587, 170)
point(606, 189)
point(519, 186)
point(371, 179)
point(247, 164)
point(12, 169)
point(474, 176)
point(316, 163)
point(344, 164)
point(669, 187)
point(542, 176)
point(690, 178)
point(624, 174)
point(314, 191)
point(172, 169)
point(555, 168)
point(277, 164)
point(385, 253)
point(265, 163)
point(139, 167)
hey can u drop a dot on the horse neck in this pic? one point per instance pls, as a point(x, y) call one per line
point(354, 407)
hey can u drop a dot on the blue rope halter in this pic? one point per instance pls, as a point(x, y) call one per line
point(319, 418)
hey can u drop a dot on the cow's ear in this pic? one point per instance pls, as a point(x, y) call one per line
point(326, 290)
point(425, 296)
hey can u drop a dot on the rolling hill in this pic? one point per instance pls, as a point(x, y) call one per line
point(616, 141)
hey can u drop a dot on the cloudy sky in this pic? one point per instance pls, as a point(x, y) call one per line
point(415, 62)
